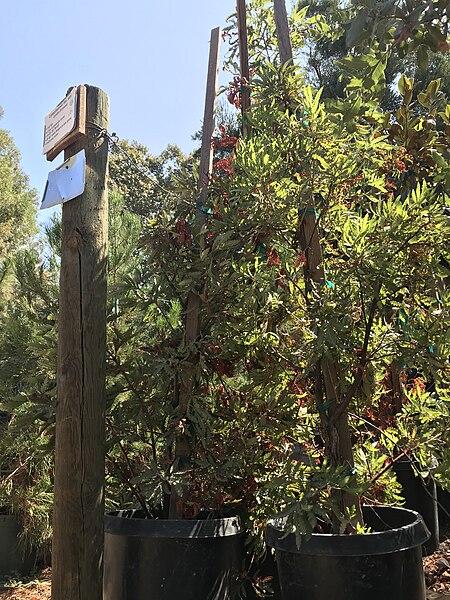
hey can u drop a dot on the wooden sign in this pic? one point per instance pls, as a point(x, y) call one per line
point(65, 123)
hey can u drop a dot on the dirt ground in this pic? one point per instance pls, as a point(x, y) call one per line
point(437, 570)
point(35, 589)
point(437, 577)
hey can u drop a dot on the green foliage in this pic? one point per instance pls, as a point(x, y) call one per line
point(17, 208)
point(27, 355)
point(27, 395)
point(305, 493)
point(17, 200)
point(28, 344)
point(145, 181)
point(380, 191)
point(256, 422)
point(361, 25)
point(408, 25)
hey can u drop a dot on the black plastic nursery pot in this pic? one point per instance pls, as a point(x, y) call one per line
point(385, 564)
point(443, 497)
point(264, 575)
point(420, 495)
point(157, 559)
point(13, 559)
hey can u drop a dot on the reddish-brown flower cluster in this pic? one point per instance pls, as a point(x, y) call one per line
point(382, 415)
point(220, 364)
point(418, 386)
point(273, 260)
point(223, 166)
point(390, 185)
point(225, 141)
point(301, 260)
point(346, 192)
point(238, 86)
point(395, 167)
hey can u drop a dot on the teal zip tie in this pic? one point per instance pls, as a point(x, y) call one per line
point(262, 248)
point(310, 211)
point(329, 284)
point(403, 323)
point(326, 405)
point(204, 209)
point(302, 113)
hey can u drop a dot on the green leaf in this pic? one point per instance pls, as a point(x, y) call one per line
point(405, 87)
point(439, 159)
point(426, 98)
point(357, 28)
point(423, 100)
point(422, 57)
point(433, 88)
point(445, 116)
point(322, 161)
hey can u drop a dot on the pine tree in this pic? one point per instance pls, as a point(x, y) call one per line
point(17, 199)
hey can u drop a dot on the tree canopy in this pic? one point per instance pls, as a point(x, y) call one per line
point(417, 53)
point(17, 199)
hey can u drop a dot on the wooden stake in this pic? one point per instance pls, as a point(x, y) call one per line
point(187, 375)
point(397, 388)
point(209, 123)
point(80, 413)
point(244, 63)
point(283, 36)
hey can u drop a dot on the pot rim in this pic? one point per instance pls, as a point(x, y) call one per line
point(118, 523)
point(412, 533)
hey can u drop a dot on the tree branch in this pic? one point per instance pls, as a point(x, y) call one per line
point(362, 361)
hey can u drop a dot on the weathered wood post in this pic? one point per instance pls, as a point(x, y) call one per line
point(80, 414)
point(185, 385)
point(241, 11)
point(283, 35)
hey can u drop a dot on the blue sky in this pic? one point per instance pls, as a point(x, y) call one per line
point(149, 56)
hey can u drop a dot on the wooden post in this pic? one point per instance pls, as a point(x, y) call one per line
point(186, 382)
point(244, 63)
point(283, 36)
point(209, 122)
point(80, 414)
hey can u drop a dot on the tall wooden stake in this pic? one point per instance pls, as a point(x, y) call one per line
point(244, 63)
point(194, 302)
point(80, 414)
point(282, 27)
point(209, 122)
point(336, 432)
